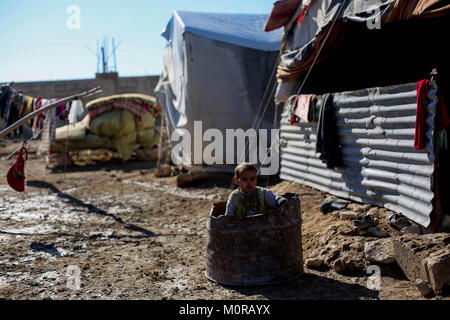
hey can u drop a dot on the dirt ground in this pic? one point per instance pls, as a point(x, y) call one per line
point(131, 235)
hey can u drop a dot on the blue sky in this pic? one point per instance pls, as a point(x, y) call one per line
point(36, 43)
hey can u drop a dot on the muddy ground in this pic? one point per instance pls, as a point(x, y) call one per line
point(131, 235)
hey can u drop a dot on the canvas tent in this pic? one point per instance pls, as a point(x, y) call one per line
point(216, 70)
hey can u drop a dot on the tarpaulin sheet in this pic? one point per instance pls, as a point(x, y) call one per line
point(303, 40)
point(216, 70)
point(244, 30)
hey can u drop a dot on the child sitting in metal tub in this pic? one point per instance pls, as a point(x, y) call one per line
point(248, 199)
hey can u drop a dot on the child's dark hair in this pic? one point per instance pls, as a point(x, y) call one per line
point(244, 167)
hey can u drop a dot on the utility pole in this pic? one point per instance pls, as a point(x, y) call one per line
point(104, 60)
point(114, 55)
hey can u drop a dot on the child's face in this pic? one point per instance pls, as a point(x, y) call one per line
point(246, 181)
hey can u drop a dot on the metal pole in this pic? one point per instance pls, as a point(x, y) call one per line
point(103, 58)
point(35, 113)
point(114, 55)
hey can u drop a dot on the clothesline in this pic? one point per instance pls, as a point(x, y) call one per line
point(48, 107)
point(33, 138)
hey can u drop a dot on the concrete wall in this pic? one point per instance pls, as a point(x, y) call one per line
point(110, 83)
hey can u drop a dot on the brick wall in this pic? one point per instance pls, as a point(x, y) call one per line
point(110, 83)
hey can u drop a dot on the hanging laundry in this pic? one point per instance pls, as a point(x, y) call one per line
point(26, 108)
point(303, 108)
point(12, 111)
point(16, 174)
point(442, 140)
point(76, 111)
point(420, 131)
point(8, 106)
point(327, 143)
point(5, 94)
point(443, 118)
point(443, 122)
point(61, 112)
point(48, 129)
point(37, 104)
point(288, 106)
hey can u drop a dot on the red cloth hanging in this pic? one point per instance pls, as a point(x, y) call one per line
point(441, 113)
point(16, 174)
point(419, 136)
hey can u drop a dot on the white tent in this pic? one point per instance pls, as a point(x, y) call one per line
point(216, 70)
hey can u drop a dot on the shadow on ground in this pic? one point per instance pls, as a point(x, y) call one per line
point(310, 286)
point(93, 209)
point(110, 165)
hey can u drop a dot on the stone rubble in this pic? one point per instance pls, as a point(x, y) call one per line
point(380, 251)
point(425, 257)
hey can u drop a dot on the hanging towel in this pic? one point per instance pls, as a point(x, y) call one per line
point(303, 107)
point(76, 111)
point(327, 143)
point(48, 130)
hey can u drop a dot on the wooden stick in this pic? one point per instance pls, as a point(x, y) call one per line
point(35, 113)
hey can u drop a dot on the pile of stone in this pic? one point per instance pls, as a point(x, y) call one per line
point(424, 259)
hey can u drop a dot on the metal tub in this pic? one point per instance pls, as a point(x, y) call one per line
point(258, 250)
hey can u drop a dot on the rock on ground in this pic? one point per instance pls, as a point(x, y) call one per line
point(424, 287)
point(380, 251)
point(425, 257)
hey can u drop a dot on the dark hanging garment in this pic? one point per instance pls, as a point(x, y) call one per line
point(13, 109)
point(5, 97)
point(10, 101)
point(327, 143)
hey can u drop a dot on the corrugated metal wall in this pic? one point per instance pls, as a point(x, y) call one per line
point(376, 130)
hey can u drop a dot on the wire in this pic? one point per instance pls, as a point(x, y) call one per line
point(260, 107)
point(312, 65)
point(301, 86)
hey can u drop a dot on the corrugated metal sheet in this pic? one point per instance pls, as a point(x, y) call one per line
point(376, 129)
